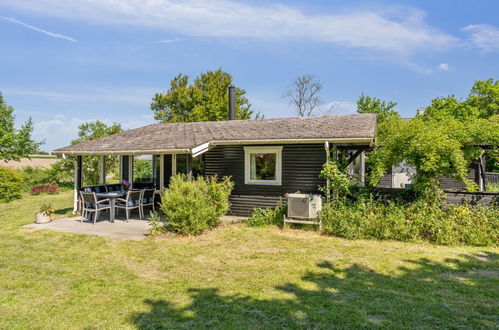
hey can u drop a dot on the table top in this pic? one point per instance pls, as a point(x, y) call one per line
point(111, 194)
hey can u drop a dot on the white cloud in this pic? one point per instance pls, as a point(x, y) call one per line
point(443, 67)
point(128, 95)
point(399, 30)
point(58, 131)
point(167, 41)
point(51, 34)
point(484, 37)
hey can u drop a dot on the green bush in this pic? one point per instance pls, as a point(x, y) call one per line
point(416, 221)
point(11, 184)
point(57, 175)
point(267, 216)
point(192, 206)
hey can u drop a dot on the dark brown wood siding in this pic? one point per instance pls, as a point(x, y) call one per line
point(301, 166)
point(167, 169)
point(449, 184)
point(386, 180)
point(125, 168)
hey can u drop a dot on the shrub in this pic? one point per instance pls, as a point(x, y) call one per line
point(415, 221)
point(44, 188)
point(155, 223)
point(55, 175)
point(11, 184)
point(192, 206)
point(268, 216)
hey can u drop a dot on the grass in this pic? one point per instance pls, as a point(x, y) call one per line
point(236, 277)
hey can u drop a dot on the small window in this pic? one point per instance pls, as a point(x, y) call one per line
point(263, 165)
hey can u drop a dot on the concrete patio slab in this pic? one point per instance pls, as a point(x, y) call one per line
point(132, 230)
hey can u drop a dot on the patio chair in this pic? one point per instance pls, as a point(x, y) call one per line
point(91, 204)
point(147, 199)
point(113, 187)
point(130, 202)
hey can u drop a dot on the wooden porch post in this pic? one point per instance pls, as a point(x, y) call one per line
point(78, 181)
point(161, 171)
point(363, 167)
point(102, 170)
point(328, 156)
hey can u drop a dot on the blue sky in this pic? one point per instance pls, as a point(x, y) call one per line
point(67, 62)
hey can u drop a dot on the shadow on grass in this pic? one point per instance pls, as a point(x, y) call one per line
point(424, 294)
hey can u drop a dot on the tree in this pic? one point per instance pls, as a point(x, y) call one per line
point(384, 110)
point(91, 131)
point(443, 141)
point(14, 143)
point(304, 95)
point(482, 104)
point(204, 100)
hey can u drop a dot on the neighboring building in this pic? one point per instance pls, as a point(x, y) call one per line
point(266, 158)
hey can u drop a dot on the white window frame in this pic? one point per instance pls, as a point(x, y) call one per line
point(268, 150)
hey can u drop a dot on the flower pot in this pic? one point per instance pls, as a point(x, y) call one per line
point(42, 218)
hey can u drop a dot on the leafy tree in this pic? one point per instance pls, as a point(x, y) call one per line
point(204, 100)
point(443, 141)
point(384, 110)
point(481, 104)
point(304, 95)
point(142, 168)
point(90, 131)
point(14, 143)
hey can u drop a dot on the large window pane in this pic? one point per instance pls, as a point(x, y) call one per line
point(263, 166)
point(142, 169)
point(182, 161)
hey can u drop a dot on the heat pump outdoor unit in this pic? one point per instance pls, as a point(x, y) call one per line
point(303, 208)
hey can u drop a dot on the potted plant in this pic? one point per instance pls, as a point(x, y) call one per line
point(43, 214)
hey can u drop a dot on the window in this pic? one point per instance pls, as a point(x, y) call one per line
point(143, 169)
point(263, 165)
point(182, 164)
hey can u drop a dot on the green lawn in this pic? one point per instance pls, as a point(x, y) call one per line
point(236, 277)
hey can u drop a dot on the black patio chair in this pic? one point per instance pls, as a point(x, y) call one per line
point(90, 204)
point(147, 200)
point(130, 202)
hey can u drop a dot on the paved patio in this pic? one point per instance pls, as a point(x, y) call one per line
point(135, 230)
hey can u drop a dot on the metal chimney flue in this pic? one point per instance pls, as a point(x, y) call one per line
point(232, 103)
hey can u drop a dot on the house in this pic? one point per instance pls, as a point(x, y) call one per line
point(265, 158)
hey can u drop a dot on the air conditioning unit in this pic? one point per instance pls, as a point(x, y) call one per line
point(304, 206)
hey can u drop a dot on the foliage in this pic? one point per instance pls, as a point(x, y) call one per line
point(192, 206)
point(87, 132)
point(204, 100)
point(417, 221)
point(384, 110)
point(443, 141)
point(340, 183)
point(304, 95)
point(44, 188)
point(14, 143)
point(11, 184)
point(142, 168)
point(268, 216)
point(492, 187)
point(296, 278)
point(46, 209)
point(155, 223)
point(57, 174)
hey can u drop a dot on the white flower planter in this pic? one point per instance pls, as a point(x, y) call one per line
point(42, 218)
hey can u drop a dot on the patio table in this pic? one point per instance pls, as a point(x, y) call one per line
point(112, 195)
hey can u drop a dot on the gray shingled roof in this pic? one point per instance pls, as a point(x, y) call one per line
point(165, 137)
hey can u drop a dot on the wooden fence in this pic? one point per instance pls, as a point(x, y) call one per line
point(491, 177)
point(452, 197)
